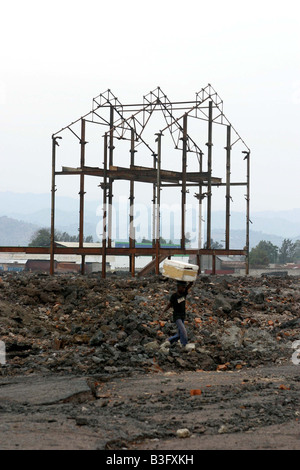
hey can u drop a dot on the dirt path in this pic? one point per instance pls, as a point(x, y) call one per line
point(247, 409)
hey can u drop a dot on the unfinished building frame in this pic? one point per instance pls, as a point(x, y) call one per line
point(128, 122)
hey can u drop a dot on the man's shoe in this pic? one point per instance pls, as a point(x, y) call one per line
point(189, 347)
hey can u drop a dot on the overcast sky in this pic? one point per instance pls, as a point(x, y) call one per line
point(56, 56)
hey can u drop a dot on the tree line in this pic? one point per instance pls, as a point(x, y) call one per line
point(42, 237)
point(263, 254)
point(266, 253)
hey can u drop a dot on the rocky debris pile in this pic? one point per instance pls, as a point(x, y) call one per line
point(76, 324)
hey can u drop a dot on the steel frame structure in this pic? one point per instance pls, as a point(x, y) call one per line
point(128, 122)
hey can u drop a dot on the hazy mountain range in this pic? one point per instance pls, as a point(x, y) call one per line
point(21, 215)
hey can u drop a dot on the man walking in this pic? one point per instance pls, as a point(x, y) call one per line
point(177, 301)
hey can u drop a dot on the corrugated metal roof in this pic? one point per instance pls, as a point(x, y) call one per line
point(13, 261)
point(76, 245)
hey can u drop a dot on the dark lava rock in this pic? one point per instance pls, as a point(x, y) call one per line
point(257, 296)
point(222, 305)
point(97, 339)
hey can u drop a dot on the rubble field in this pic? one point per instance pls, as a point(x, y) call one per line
point(85, 366)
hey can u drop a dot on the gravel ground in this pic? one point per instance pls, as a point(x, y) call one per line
point(253, 409)
point(85, 368)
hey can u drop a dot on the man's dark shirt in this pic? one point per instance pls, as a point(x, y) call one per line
point(178, 303)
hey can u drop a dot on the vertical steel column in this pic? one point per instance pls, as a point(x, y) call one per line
point(183, 188)
point(54, 144)
point(209, 170)
point(81, 192)
point(200, 213)
point(104, 231)
point(158, 183)
point(154, 207)
point(248, 213)
point(228, 197)
point(131, 209)
point(111, 152)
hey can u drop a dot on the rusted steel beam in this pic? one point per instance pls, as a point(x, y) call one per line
point(143, 174)
point(154, 203)
point(209, 169)
point(200, 213)
point(81, 192)
point(119, 251)
point(53, 189)
point(192, 185)
point(199, 177)
point(151, 266)
point(248, 212)
point(110, 180)
point(40, 250)
point(104, 226)
point(184, 179)
point(131, 208)
point(158, 189)
point(228, 174)
point(171, 174)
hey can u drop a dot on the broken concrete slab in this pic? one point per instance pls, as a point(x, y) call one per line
point(39, 390)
